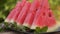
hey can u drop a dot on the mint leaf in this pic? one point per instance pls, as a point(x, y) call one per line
point(44, 29)
point(38, 30)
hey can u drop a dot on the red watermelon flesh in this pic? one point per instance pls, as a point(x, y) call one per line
point(23, 13)
point(41, 8)
point(23, 3)
point(45, 4)
point(43, 20)
point(50, 19)
point(30, 16)
point(18, 10)
point(40, 19)
point(11, 14)
point(38, 11)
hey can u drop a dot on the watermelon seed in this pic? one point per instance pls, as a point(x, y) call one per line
point(43, 14)
point(44, 7)
point(49, 14)
point(36, 9)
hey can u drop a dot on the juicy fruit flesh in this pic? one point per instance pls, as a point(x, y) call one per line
point(35, 15)
point(40, 18)
point(18, 10)
point(46, 4)
point(50, 19)
point(23, 13)
point(43, 19)
point(30, 16)
point(14, 13)
point(34, 24)
point(11, 14)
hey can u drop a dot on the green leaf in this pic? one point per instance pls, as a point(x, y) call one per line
point(38, 30)
point(44, 29)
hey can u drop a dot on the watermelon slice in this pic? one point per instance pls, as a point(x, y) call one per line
point(50, 18)
point(41, 19)
point(44, 19)
point(11, 14)
point(30, 16)
point(34, 24)
point(14, 13)
point(23, 13)
point(18, 10)
point(51, 22)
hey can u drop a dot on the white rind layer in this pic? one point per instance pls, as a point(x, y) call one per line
point(54, 28)
point(33, 27)
point(25, 24)
point(7, 20)
point(12, 21)
point(50, 29)
point(18, 24)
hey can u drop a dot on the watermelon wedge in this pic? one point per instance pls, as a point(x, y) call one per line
point(18, 10)
point(41, 19)
point(44, 19)
point(34, 24)
point(30, 16)
point(23, 13)
point(50, 18)
point(14, 13)
point(11, 14)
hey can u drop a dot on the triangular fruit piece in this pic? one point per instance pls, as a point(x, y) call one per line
point(50, 18)
point(34, 24)
point(14, 13)
point(30, 16)
point(21, 17)
point(11, 14)
point(40, 19)
point(18, 10)
point(43, 20)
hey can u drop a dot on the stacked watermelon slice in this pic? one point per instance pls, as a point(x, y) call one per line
point(32, 15)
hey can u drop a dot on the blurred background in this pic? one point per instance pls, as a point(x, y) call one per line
point(7, 5)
